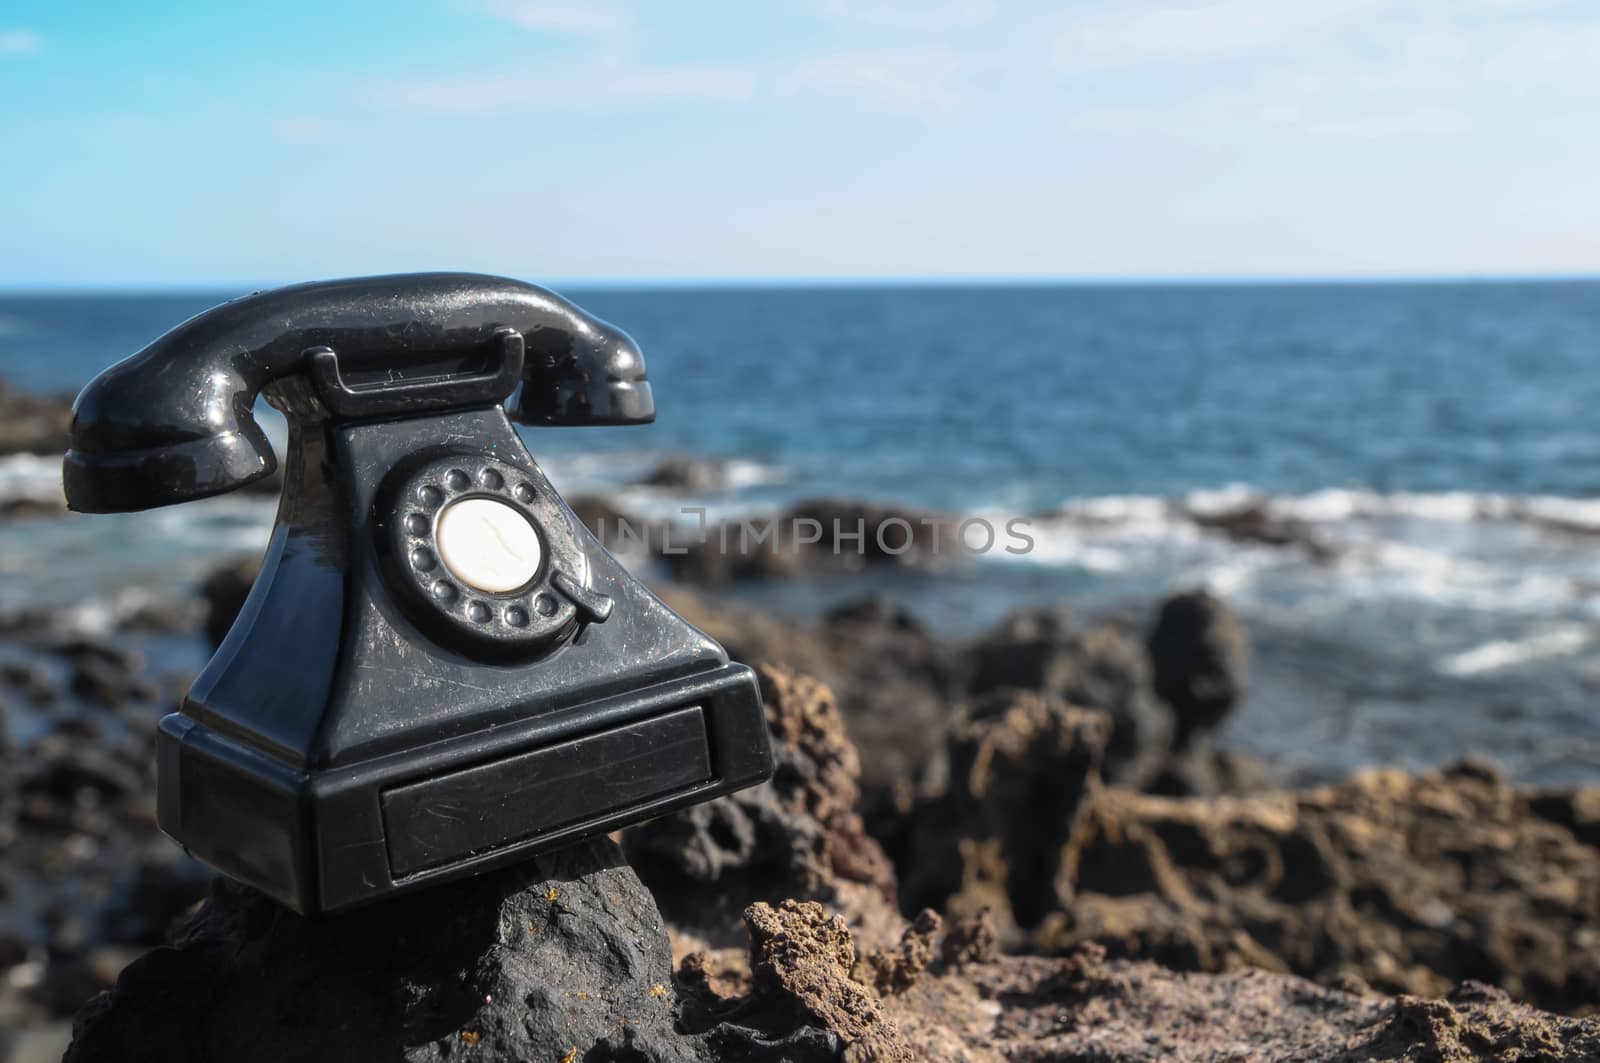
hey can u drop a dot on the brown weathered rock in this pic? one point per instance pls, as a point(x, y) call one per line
point(970, 939)
point(1411, 883)
point(798, 836)
point(1083, 1006)
point(1100, 667)
point(803, 956)
point(751, 636)
point(897, 969)
point(1022, 767)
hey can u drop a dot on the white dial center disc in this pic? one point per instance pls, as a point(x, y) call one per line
point(488, 545)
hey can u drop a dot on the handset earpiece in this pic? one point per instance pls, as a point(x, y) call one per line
point(167, 425)
point(584, 372)
point(174, 422)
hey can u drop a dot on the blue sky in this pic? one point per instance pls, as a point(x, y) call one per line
point(220, 143)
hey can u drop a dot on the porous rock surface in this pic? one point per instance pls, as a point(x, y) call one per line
point(987, 1008)
point(797, 837)
point(1409, 883)
point(1023, 767)
point(567, 957)
point(563, 952)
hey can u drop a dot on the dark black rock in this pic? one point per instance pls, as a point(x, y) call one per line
point(897, 683)
point(1100, 667)
point(8, 784)
point(33, 424)
point(150, 899)
point(224, 591)
point(562, 957)
point(1199, 658)
point(1200, 769)
point(81, 650)
point(1252, 521)
point(820, 537)
point(108, 684)
point(69, 773)
point(32, 681)
point(680, 472)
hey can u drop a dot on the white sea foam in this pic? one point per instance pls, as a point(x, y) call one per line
point(30, 477)
point(1508, 653)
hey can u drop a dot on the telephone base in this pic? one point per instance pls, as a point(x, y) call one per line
point(324, 841)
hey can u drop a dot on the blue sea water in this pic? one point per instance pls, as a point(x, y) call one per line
point(1025, 397)
point(1441, 439)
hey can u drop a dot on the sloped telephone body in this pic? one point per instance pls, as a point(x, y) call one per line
point(438, 670)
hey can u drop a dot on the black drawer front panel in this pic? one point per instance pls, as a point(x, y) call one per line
point(510, 800)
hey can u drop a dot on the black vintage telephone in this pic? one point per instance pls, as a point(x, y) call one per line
point(438, 670)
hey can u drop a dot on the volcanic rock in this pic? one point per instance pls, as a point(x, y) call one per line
point(898, 684)
point(797, 837)
point(1408, 883)
point(1023, 767)
point(683, 472)
point(1199, 659)
point(823, 536)
point(564, 956)
point(8, 788)
point(1101, 667)
point(1253, 521)
point(33, 424)
point(806, 978)
point(224, 590)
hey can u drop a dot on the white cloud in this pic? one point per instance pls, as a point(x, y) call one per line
point(300, 128)
point(1116, 36)
point(19, 42)
point(593, 84)
point(1419, 121)
point(540, 17)
point(909, 80)
point(930, 16)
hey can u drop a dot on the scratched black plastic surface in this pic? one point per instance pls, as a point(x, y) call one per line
point(482, 808)
point(349, 674)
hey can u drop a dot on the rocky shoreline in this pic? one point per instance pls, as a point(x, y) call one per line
point(1026, 844)
point(569, 956)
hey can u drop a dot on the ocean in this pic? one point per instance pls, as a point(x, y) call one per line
point(1438, 442)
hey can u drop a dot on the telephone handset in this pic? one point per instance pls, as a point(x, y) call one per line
point(438, 669)
point(174, 422)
